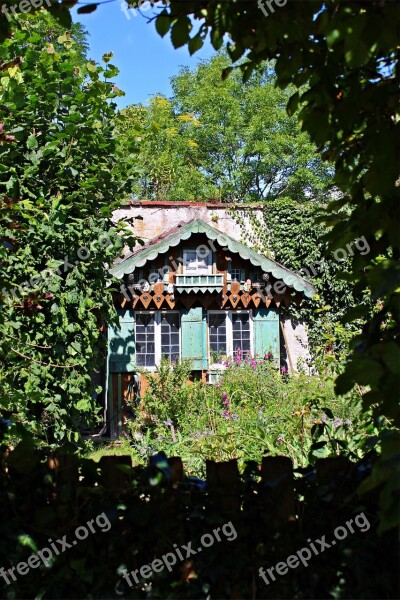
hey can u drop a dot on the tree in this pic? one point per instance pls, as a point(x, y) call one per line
point(222, 139)
point(343, 58)
point(160, 152)
point(59, 182)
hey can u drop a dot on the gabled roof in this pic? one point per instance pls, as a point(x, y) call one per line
point(183, 231)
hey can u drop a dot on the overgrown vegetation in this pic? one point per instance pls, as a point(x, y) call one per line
point(346, 74)
point(59, 181)
point(253, 410)
point(225, 140)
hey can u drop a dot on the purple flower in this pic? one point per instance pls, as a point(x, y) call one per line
point(224, 396)
point(226, 414)
point(348, 422)
point(337, 422)
point(284, 370)
point(238, 356)
point(279, 440)
point(253, 364)
point(324, 418)
point(235, 417)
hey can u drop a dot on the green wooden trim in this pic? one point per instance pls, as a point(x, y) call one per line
point(110, 405)
point(268, 265)
point(119, 413)
point(121, 343)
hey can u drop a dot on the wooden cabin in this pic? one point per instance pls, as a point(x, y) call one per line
point(194, 292)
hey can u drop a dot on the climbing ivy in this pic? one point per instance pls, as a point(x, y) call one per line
point(342, 57)
point(59, 183)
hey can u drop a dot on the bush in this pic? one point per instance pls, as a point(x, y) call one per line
point(253, 410)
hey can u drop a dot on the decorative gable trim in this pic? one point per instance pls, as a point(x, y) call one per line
point(173, 238)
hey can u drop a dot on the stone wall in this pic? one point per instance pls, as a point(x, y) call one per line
point(159, 217)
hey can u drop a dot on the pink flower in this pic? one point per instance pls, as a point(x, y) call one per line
point(225, 399)
point(239, 356)
point(253, 364)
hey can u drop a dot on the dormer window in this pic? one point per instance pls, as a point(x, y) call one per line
point(197, 262)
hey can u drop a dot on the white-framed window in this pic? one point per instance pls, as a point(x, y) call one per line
point(241, 331)
point(227, 332)
point(145, 339)
point(157, 333)
point(238, 275)
point(170, 327)
point(195, 262)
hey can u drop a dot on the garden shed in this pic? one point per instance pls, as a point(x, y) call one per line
point(196, 291)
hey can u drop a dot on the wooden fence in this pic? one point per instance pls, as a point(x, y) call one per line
point(274, 509)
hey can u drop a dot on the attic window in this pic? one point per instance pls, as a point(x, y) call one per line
point(195, 263)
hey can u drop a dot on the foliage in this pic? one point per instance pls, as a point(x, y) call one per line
point(296, 239)
point(161, 141)
point(167, 393)
point(254, 409)
point(9, 22)
point(223, 140)
point(59, 184)
point(144, 519)
point(343, 58)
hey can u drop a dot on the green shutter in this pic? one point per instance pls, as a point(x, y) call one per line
point(266, 332)
point(121, 343)
point(193, 336)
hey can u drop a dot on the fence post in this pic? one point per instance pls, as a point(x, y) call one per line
point(277, 477)
point(176, 465)
point(223, 485)
point(112, 477)
point(65, 467)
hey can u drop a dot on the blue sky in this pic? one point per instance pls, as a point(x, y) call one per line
point(145, 60)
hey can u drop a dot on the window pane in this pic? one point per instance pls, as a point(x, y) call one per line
point(217, 333)
point(170, 336)
point(241, 331)
point(145, 342)
point(194, 264)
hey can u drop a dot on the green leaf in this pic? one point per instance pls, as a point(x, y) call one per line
point(195, 44)
point(163, 24)
point(180, 32)
point(88, 8)
point(25, 540)
point(32, 142)
point(293, 104)
point(107, 57)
